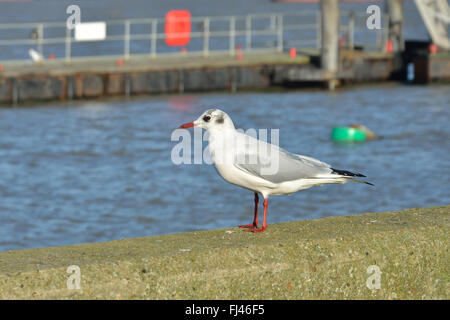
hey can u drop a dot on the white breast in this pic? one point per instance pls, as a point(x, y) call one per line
point(222, 147)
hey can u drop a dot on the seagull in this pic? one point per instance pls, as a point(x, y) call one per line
point(261, 167)
point(35, 56)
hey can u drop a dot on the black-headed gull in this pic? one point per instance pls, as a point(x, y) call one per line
point(262, 167)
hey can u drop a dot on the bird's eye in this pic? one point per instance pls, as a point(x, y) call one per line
point(206, 118)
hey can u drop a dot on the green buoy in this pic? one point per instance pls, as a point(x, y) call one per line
point(347, 134)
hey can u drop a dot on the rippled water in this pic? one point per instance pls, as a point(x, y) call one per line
point(95, 171)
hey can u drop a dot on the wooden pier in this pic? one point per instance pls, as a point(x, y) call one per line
point(218, 62)
point(115, 77)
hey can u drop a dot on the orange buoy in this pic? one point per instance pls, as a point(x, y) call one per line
point(293, 52)
point(433, 48)
point(389, 47)
point(239, 52)
point(178, 27)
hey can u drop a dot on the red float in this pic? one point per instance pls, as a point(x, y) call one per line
point(239, 52)
point(178, 27)
point(293, 52)
point(389, 46)
point(433, 49)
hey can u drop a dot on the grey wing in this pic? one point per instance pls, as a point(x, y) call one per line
point(278, 165)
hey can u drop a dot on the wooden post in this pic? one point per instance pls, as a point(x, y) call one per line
point(329, 56)
point(395, 34)
point(395, 11)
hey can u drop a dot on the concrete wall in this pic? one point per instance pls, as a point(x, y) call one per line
point(322, 258)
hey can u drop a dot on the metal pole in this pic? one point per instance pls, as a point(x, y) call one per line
point(180, 81)
point(351, 31)
point(280, 33)
point(233, 79)
point(153, 37)
point(385, 31)
point(395, 35)
point(318, 30)
point(40, 38)
point(248, 32)
point(273, 21)
point(232, 35)
point(379, 41)
point(127, 85)
point(395, 11)
point(70, 87)
point(127, 40)
point(15, 92)
point(330, 37)
point(206, 37)
point(68, 45)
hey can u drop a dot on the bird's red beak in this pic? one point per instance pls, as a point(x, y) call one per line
point(187, 125)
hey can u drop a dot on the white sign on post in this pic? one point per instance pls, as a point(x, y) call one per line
point(90, 31)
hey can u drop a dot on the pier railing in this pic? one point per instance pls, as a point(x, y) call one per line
point(209, 35)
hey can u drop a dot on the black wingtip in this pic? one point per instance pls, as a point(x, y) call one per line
point(370, 184)
point(347, 173)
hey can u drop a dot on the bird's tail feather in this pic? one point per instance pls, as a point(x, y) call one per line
point(361, 181)
point(346, 173)
point(350, 176)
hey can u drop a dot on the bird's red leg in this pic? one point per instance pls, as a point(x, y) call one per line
point(264, 226)
point(255, 218)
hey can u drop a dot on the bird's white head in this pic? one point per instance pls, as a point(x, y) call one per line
point(211, 119)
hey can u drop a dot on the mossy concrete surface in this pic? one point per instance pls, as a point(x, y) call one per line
point(326, 258)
